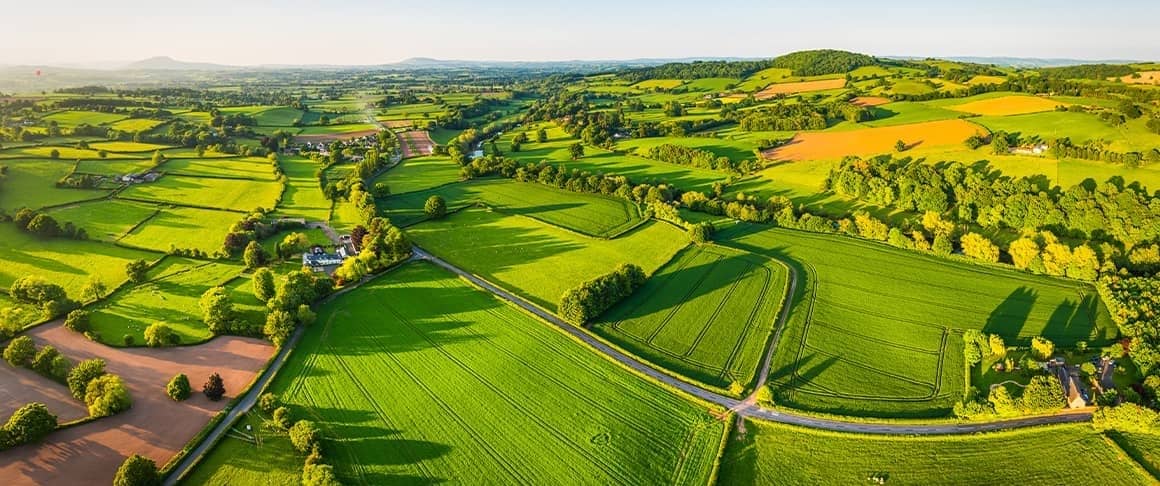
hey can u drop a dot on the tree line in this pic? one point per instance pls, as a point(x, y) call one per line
point(586, 301)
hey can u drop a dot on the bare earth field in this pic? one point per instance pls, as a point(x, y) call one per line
point(156, 427)
point(1146, 77)
point(800, 87)
point(416, 143)
point(872, 141)
point(870, 101)
point(20, 386)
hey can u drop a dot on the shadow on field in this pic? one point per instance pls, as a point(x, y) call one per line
point(1010, 316)
point(1071, 322)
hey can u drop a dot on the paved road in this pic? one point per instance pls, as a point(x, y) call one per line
point(748, 407)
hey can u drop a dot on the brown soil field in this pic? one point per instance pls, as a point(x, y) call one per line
point(872, 141)
point(416, 143)
point(330, 137)
point(800, 87)
point(1008, 105)
point(397, 123)
point(1146, 77)
point(19, 387)
point(156, 427)
point(870, 101)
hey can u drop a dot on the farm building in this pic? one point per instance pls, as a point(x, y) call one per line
point(318, 260)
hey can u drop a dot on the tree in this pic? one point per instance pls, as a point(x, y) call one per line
point(998, 347)
point(159, 335)
point(79, 377)
point(263, 282)
point(305, 315)
point(268, 402)
point(576, 150)
point(701, 233)
point(106, 395)
point(1002, 401)
point(304, 434)
point(30, 423)
point(214, 388)
point(1084, 264)
point(137, 271)
point(980, 248)
point(217, 310)
point(1044, 393)
point(44, 225)
point(20, 351)
point(254, 256)
point(1127, 417)
point(900, 146)
point(435, 207)
point(972, 349)
point(137, 471)
point(999, 144)
point(94, 289)
point(36, 291)
point(49, 362)
point(293, 244)
point(541, 135)
point(178, 387)
point(319, 475)
point(281, 418)
point(1042, 348)
point(941, 245)
point(279, 326)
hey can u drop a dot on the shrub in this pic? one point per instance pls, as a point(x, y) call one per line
point(214, 388)
point(1127, 417)
point(217, 310)
point(584, 302)
point(268, 402)
point(159, 335)
point(106, 395)
point(1044, 393)
point(304, 435)
point(701, 233)
point(279, 325)
point(50, 363)
point(29, 423)
point(20, 351)
point(79, 377)
point(128, 340)
point(78, 321)
point(137, 471)
point(178, 388)
point(435, 207)
point(254, 256)
point(319, 475)
point(282, 419)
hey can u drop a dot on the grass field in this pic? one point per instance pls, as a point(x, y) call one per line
point(247, 168)
point(338, 129)
point(771, 453)
point(194, 228)
point(32, 184)
point(736, 150)
point(1079, 127)
point(68, 263)
point(707, 314)
point(873, 141)
point(590, 214)
point(233, 194)
point(466, 388)
point(536, 260)
point(1008, 105)
point(128, 147)
point(65, 153)
point(419, 173)
point(114, 167)
point(70, 119)
point(134, 125)
point(303, 198)
point(875, 330)
point(1144, 448)
point(170, 296)
point(107, 219)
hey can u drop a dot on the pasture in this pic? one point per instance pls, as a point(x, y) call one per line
point(774, 90)
point(64, 153)
point(874, 330)
point(707, 315)
point(420, 173)
point(32, 184)
point(71, 119)
point(68, 263)
point(537, 260)
point(106, 219)
point(183, 227)
point(464, 386)
point(254, 168)
point(1007, 105)
point(302, 197)
point(1079, 127)
point(229, 194)
point(872, 141)
point(770, 453)
point(135, 125)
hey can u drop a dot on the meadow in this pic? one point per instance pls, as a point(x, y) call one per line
point(32, 184)
point(420, 173)
point(1144, 448)
point(875, 330)
point(228, 194)
point(1079, 127)
point(302, 197)
point(68, 263)
point(256, 168)
point(70, 119)
point(106, 219)
point(183, 227)
point(128, 147)
point(707, 315)
point(413, 390)
point(537, 260)
point(799, 87)
point(769, 453)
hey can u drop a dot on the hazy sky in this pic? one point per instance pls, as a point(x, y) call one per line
point(371, 32)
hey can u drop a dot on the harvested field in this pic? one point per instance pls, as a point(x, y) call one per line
point(156, 427)
point(870, 101)
point(416, 143)
point(1146, 77)
point(872, 141)
point(21, 386)
point(800, 87)
point(330, 137)
point(1008, 105)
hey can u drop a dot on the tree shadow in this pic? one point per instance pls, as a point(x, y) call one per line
point(1010, 317)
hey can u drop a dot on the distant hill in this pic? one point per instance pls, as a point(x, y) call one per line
point(166, 63)
point(823, 61)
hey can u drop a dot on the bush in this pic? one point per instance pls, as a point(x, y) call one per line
point(78, 321)
point(214, 388)
point(304, 435)
point(584, 302)
point(159, 335)
point(50, 363)
point(701, 233)
point(29, 423)
point(20, 351)
point(106, 395)
point(178, 388)
point(1127, 417)
point(282, 419)
point(279, 326)
point(1044, 393)
point(435, 207)
point(137, 471)
point(319, 475)
point(1042, 348)
point(268, 402)
point(78, 379)
point(128, 340)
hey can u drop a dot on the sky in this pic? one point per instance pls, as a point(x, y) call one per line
point(249, 32)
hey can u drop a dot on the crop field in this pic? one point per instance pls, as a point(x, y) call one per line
point(420, 173)
point(183, 227)
point(799, 87)
point(414, 390)
point(1142, 77)
point(68, 263)
point(32, 184)
point(134, 125)
point(1144, 448)
point(245, 168)
point(1079, 127)
point(232, 194)
point(707, 315)
point(170, 296)
point(302, 197)
point(107, 219)
point(1007, 105)
point(70, 119)
point(870, 101)
point(874, 330)
point(769, 453)
point(537, 260)
point(981, 79)
point(872, 141)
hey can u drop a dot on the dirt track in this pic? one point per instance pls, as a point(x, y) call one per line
point(155, 427)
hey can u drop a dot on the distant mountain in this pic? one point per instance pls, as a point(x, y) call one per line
point(166, 63)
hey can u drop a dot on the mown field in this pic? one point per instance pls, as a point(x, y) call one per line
point(875, 330)
point(537, 260)
point(707, 315)
point(106, 219)
point(232, 194)
point(465, 388)
point(1144, 448)
point(302, 197)
point(32, 184)
point(68, 263)
point(419, 173)
point(256, 168)
point(769, 453)
point(181, 227)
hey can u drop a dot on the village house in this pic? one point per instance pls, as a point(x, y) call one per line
point(318, 260)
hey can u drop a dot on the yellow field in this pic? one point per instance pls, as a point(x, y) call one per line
point(1146, 77)
point(870, 101)
point(801, 87)
point(873, 141)
point(658, 83)
point(986, 80)
point(1008, 105)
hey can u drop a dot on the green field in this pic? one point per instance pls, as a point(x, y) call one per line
point(466, 388)
point(107, 219)
point(1080, 127)
point(170, 296)
point(337, 129)
point(771, 453)
point(303, 198)
point(420, 173)
point(128, 147)
point(247, 168)
point(1144, 448)
point(68, 263)
point(70, 119)
point(537, 260)
point(190, 228)
point(114, 167)
point(134, 125)
point(232, 194)
point(874, 330)
point(707, 315)
point(32, 184)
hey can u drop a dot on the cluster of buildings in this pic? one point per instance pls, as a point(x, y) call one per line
point(319, 260)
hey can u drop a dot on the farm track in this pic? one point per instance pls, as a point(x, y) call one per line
point(748, 407)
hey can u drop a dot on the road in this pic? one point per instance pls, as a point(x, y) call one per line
point(749, 407)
